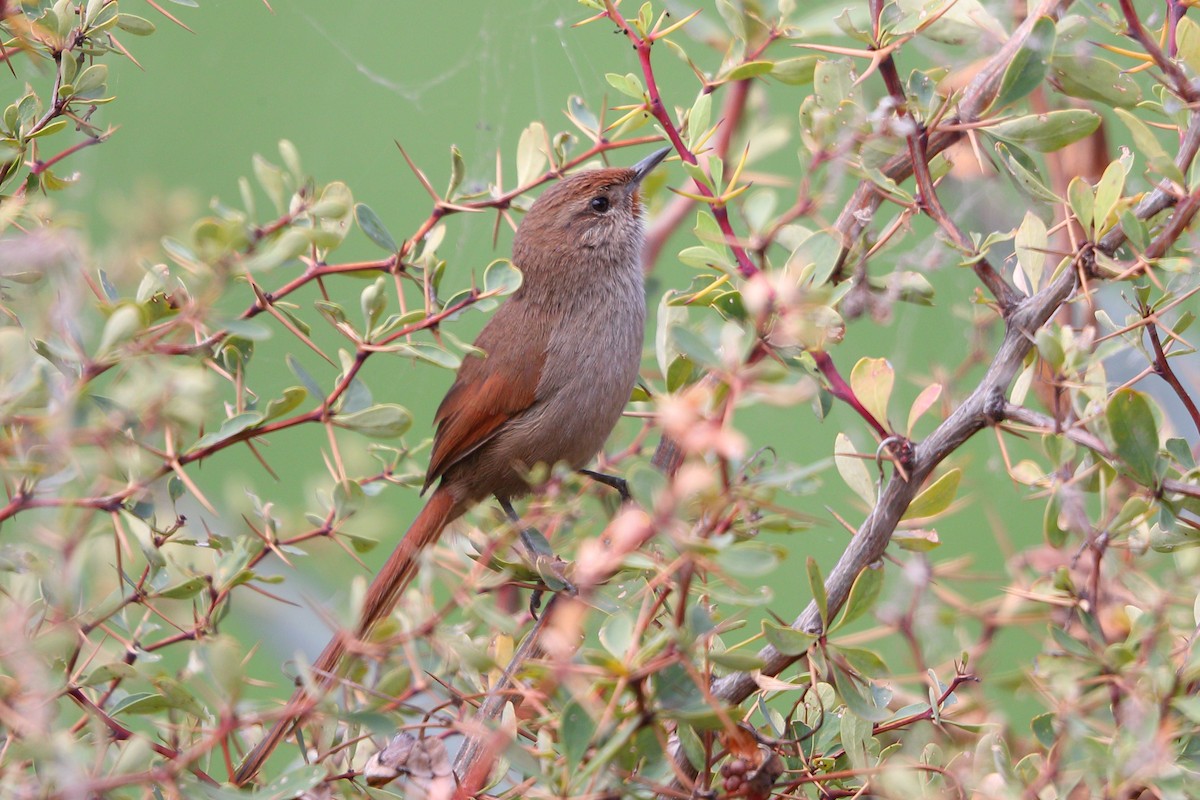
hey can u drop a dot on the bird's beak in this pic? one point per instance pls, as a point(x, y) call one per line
point(647, 164)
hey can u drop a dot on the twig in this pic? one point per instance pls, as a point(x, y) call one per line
point(1163, 368)
point(927, 197)
point(986, 405)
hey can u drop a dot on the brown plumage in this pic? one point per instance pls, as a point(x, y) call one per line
point(562, 355)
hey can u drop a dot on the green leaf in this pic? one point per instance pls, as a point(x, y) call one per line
point(695, 347)
point(1082, 201)
point(1054, 534)
point(816, 583)
point(1187, 42)
point(229, 428)
point(751, 559)
point(750, 69)
point(863, 595)
point(94, 77)
point(576, 729)
point(502, 277)
point(936, 497)
point(373, 301)
point(855, 737)
point(917, 540)
point(531, 153)
point(348, 498)
point(426, 351)
point(331, 311)
point(131, 23)
point(180, 591)
point(1030, 245)
point(788, 641)
point(868, 701)
point(1028, 67)
point(295, 782)
point(698, 118)
point(1069, 644)
point(1024, 177)
point(702, 256)
point(122, 325)
point(304, 376)
point(1134, 434)
point(293, 396)
point(117, 670)
point(291, 159)
point(795, 71)
point(1108, 194)
point(336, 200)
point(628, 84)
point(1050, 131)
point(691, 745)
point(680, 373)
point(581, 115)
point(736, 660)
point(288, 245)
point(361, 544)
point(865, 662)
point(373, 227)
point(140, 703)
point(1043, 728)
point(270, 178)
point(1091, 78)
point(383, 421)
point(1148, 146)
point(616, 634)
point(853, 469)
point(458, 170)
point(872, 380)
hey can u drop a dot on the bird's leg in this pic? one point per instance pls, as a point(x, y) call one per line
point(611, 481)
point(543, 559)
point(531, 539)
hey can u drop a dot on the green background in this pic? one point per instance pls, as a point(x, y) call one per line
point(343, 81)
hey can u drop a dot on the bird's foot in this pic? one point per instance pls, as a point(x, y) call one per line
point(612, 481)
point(552, 570)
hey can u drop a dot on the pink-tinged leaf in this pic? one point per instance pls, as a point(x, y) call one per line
point(872, 380)
point(925, 400)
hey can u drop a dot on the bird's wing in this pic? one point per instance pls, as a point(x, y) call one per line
point(488, 391)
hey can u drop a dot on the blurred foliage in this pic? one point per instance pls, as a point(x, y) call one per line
point(118, 676)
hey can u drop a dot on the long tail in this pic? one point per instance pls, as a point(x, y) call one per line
point(382, 595)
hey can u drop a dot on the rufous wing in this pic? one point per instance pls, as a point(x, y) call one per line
point(487, 393)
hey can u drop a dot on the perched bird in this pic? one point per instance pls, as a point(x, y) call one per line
point(561, 358)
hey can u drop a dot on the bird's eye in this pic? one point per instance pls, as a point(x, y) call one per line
point(600, 204)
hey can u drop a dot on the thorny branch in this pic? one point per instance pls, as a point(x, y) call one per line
point(985, 405)
point(25, 497)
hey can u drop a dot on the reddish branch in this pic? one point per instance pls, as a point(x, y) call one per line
point(986, 405)
point(1163, 368)
point(24, 497)
point(927, 198)
point(671, 217)
point(659, 111)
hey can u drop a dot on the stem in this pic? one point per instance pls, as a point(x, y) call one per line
point(745, 266)
point(927, 198)
point(1163, 368)
point(842, 391)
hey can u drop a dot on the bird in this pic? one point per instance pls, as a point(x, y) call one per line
point(559, 361)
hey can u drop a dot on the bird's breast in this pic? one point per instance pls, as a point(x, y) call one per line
point(591, 366)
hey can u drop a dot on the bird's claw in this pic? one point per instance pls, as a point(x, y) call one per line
point(553, 572)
